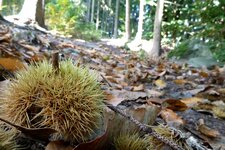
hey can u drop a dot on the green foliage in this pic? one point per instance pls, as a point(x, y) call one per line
point(194, 48)
point(211, 18)
point(180, 51)
point(218, 49)
point(11, 7)
point(87, 31)
point(66, 16)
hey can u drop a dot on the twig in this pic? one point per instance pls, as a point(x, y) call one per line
point(145, 128)
point(55, 55)
point(55, 61)
point(106, 80)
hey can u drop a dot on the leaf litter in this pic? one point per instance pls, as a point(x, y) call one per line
point(164, 92)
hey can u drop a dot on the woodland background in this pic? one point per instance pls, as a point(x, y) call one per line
point(189, 28)
point(158, 61)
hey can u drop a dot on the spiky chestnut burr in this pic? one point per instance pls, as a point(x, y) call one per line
point(7, 142)
point(69, 101)
point(166, 132)
point(130, 142)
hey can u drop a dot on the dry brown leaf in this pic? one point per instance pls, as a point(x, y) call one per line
point(180, 81)
point(139, 88)
point(6, 37)
point(58, 145)
point(171, 117)
point(154, 93)
point(96, 144)
point(191, 101)
point(160, 83)
point(212, 133)
point(175, 67)
point(119, 68)
point(35, 133)
point(30, 47)
point(155, 101)
point(162, 73)
point(175, 105)
point(219, 111)
point(204, 74)
point(11, 64)
point(37, 57)
point(111, 99)
point(194, 71)
point(111, 79)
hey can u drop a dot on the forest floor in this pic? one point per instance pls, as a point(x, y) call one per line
point(191, 100)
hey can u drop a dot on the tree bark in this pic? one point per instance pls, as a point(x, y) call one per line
point(40, 13)
point(155, 51)
point(127, 20)
point(97, 15)
point(115, 33)
point(140, 21)
point(88, 10)
point(0, 5)
point(34, 10)
point(92, 10)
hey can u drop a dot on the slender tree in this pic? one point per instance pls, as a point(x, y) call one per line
point(0, 5)
point(34, 10)
point(155, 51)
point(92, 10)
point(127, 22)
point(97, 14)
point(88, 3)
point(140, 21)
point(116, 20)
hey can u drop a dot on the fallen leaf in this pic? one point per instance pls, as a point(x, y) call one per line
point(139, 88)
point(190, 102)
point(204, 74)
point(58, 145)
point(219, 111)
point(154, 93)
point(160, 83)
point(111, 99)
point(11, 64)
point(30, 47)
point(171, 117)
point(35, 133)
point(111, 79)
point(180, 81)
point(206, 130)
point(155, 101)
point(175, 105)
point(96, 144)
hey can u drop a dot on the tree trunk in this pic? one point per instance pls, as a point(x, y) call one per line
point(0, 5)
point(92, 10)
point(88, 10)
point(115, 33)
point(34, 10)
point(155, 51)
point(140, 21)
point(40, 13)
point(97, 16)
point(127, 20)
